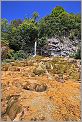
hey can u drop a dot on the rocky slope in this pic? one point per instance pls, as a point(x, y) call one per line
point(41, 89)
point(63, 46)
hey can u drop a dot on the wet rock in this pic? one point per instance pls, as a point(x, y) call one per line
point(3, 85)
point(35, 87)
point(3, 107)
point(13, 107)
point(38, 118)
point(41, 88)
point(30, 86)
point(13, 97)
point(5, 118)
point(34, 119)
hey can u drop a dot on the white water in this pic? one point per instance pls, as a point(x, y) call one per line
point(35, 44)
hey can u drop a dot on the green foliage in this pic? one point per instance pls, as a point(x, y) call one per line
point(4, 29)
point(21, 35)
point(57, 11)
point(24, 36)
point(60, 23)
point(6, 42)
point(28, 30)
point(5, 49)
point(63, 67)
point(37, 58)
point(15, 43)
point(16, 23)
point(42, 41)
point(5, 67)
point(35, 15)
point(78, 54)
point(17, 55)
point(71, 36)
point(39, 70)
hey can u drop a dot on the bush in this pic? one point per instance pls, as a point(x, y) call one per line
point(38, 58)
point(10, 54)
point(4, 50)
point(38, 72)
point(40, 69)
point(63, 67)
point(71, 37)
point(42, 41)
point(78, 54)
point(5, 67)
point(17, 55)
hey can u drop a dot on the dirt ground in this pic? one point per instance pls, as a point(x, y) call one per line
point(26, 96)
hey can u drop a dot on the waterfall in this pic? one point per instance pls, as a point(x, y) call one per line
point(35, 44)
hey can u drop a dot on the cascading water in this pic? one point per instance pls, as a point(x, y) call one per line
point(35, 44)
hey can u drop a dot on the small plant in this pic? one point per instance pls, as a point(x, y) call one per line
point(16, 55)
point(19, 55)
point(63, 67)
point(71, 36)
point(29, 63)
point(78, 54)
point(5, 67)
point(40, 69)
point(4, 52)
point(38, 72)
point(38, 58)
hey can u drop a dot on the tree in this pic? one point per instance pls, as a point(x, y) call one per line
point(24, 36)
point(60, 23)
point(57, 11)
point(4, 29)
point(35, 15)
point(42, 41)
point(16, 23)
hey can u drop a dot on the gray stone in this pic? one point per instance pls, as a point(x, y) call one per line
point(64, 47)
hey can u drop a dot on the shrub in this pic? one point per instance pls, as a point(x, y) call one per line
point(5, 67)
point(17, 55)
point(42, 41)
point(71, 37)
point(4, 52)
point(38, 58)
point(38, 72)
point(78, 54)
point(40, 69)
point(10, 54)
point(29, 63)
point(63, 67)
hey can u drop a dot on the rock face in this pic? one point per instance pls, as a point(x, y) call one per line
point(62, 47)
